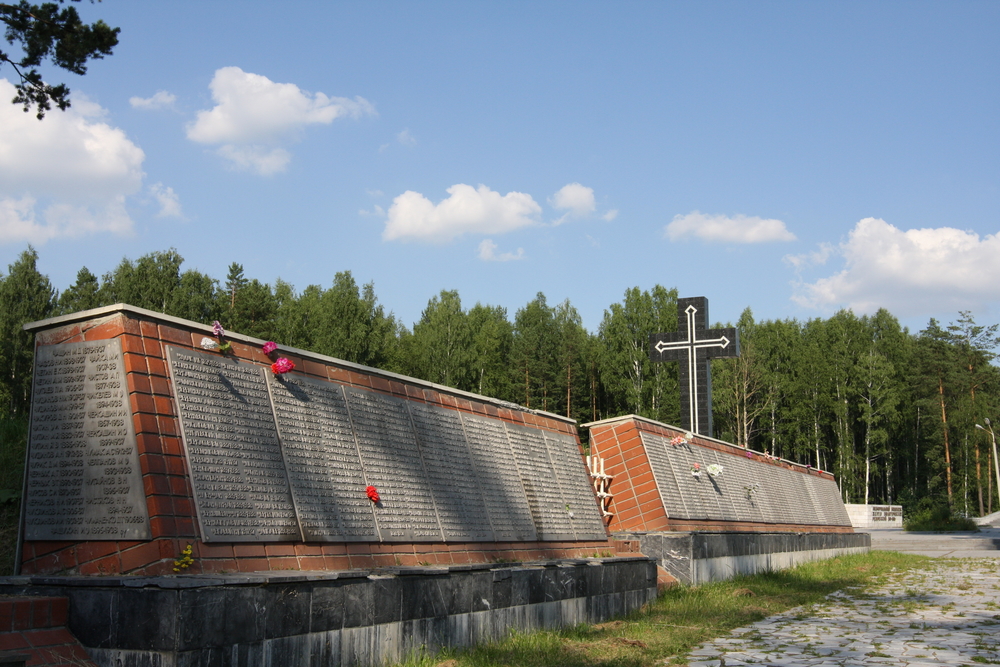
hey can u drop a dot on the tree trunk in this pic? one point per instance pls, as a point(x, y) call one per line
point(979, 479)
point(947, 447)
point(979, 482)
point(816, 437)
point(593, 396)
point(568, 385)
point(989, 483)
point(868, 464)
point(916, 452)
point(527, 388)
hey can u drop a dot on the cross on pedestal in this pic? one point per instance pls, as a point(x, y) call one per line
point(693, 346)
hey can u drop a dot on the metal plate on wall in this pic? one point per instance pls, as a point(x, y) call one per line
point(392, 463)
point(321, 457)
point(84, 480)
point(674, 502)
point(746, 490)
point(497, 472)
point(451, 475)
point(241, 489)
point(571, 472)
point(548, 507)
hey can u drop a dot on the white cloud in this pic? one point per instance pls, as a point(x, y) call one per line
point(577, 200)
point(65, 176)
point(487, 252)
point(610, 215)
point(814, 258)
point(161, 100)
point(467, 210)
point(377, 211)
point(406, 138)
point(253, 115)
point(724, 229)
point(912, 272)
point(170, 203)
point(261, 159)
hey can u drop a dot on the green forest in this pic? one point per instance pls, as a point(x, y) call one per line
point(891, 413)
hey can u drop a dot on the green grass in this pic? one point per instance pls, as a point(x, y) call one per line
point(13, 442)
point(680, 619)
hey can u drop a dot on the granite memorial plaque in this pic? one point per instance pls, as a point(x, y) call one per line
point(724, 484)
point(769, 482)
point(657, 450)
point(83, 480)
point(241, 489)
point(745, 490)
point(700, 501)
point(806, 510)
point(498, 476)
point(451, 475)
point(392, 463)
point(548, 506)
point(828, 501)
point(746, 486)
point(812, 491)
point(321, 457)
point(571, 473)
point(783, 503)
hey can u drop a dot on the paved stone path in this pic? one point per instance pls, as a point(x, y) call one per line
point(947, 613)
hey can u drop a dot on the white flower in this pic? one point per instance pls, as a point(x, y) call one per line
point(714, 469)
point(209, 343)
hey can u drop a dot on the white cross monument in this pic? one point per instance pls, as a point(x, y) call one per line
point(694, 346)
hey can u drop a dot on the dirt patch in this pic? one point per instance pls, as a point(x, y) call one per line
point(610, 625)
point(629, 642)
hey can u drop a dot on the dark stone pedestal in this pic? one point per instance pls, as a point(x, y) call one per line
point(696, 558)
point(334, 618)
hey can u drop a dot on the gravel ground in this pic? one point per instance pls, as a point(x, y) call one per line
point(947, 613)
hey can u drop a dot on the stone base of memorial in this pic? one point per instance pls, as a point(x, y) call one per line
point(145, 439)
point(707, 509)
point(353, 618)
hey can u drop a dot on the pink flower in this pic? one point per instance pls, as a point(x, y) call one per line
point(269, 347)
point(217, 329)
point(282, 366)
point(749, 455)
point(696, 466)
point(677, 440)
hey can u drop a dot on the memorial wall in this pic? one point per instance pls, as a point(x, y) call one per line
point(669, 480)
point(283, 458)
point(142, 442)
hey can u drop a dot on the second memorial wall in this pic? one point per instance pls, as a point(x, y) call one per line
point(287, 458)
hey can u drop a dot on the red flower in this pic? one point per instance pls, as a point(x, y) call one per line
point(372, 494)
point(282, 366)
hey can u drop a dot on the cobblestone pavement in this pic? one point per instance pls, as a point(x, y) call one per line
point(947, 613)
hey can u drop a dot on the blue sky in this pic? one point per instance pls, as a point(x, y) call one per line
point(792, 157)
